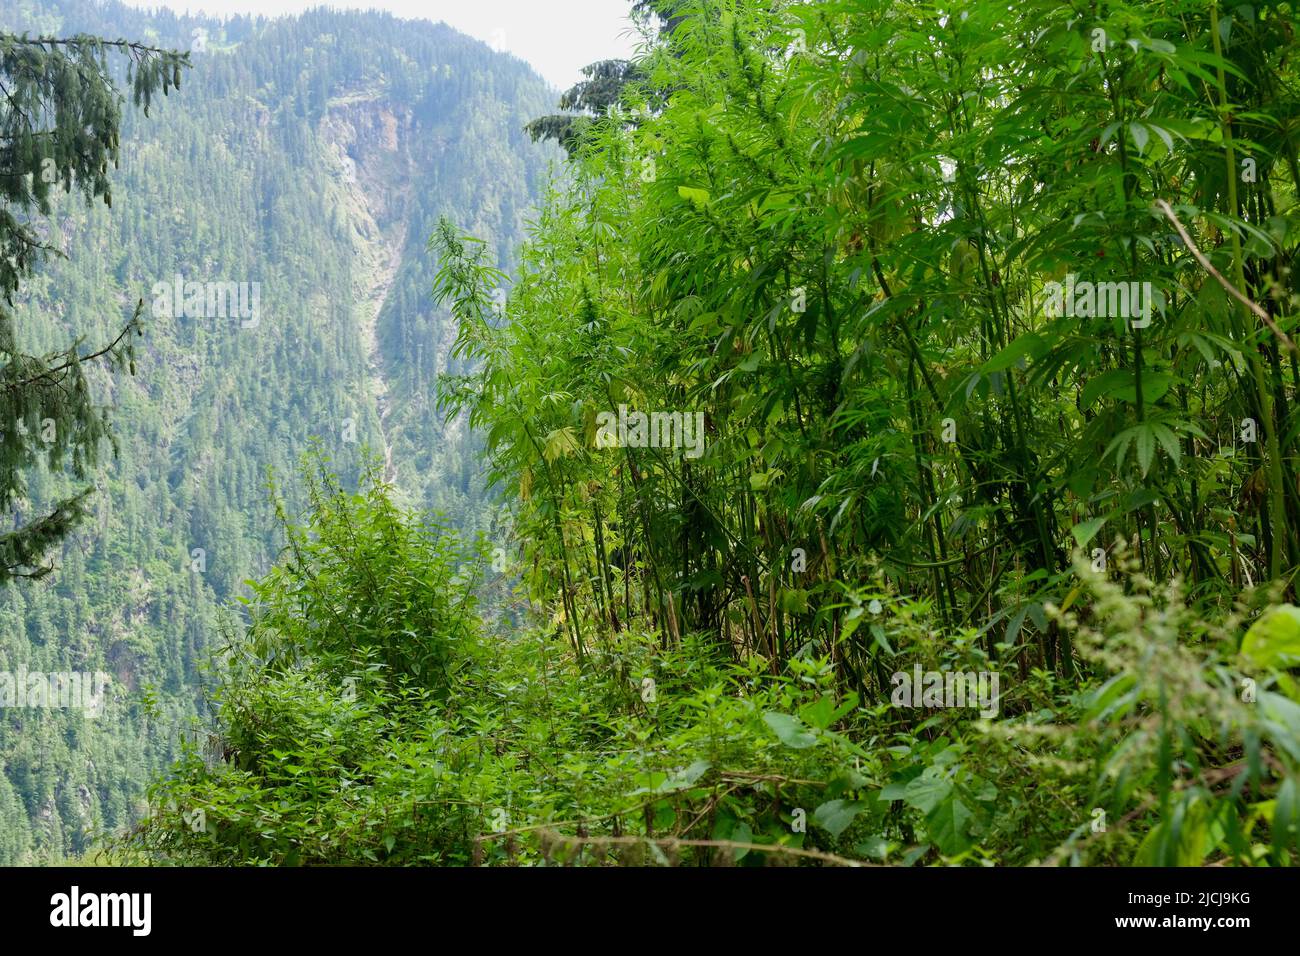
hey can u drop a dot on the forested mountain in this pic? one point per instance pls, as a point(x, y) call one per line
point(307, 160)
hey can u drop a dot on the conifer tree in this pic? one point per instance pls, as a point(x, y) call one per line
point(584, 101)
point(603, 87)
point(60, 114)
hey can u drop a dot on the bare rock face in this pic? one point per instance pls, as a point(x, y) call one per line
point(372, 144)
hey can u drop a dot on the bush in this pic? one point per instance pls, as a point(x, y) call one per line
point(366, 718)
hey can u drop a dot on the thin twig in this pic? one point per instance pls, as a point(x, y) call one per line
point(671, 843)
point(1232, 290)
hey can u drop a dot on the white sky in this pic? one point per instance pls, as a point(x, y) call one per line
point(558, 37)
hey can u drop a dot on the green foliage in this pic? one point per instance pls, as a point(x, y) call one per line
point(831, 231)
point(368, 587)
point(330, 702)
point(868, 336)
point(332, 750)
point(329, 751)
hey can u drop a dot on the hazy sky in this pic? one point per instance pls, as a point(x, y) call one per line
point(557, 38)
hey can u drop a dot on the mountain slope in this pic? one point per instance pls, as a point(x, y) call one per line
point(305, 159)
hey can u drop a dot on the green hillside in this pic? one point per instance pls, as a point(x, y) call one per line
point(311, 156)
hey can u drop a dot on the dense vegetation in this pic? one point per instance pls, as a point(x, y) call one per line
point(831, 229)
point(311, 155)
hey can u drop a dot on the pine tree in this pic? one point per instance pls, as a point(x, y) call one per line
point(592, 97)
point(59, 122)
point(15, 833)
point(603, 87)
